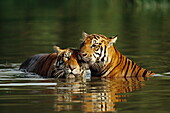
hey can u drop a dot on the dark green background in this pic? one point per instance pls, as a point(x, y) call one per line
point(30, 27)
point(34, 26)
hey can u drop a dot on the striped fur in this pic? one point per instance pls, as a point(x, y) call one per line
point(63, 62)
point(106, 61)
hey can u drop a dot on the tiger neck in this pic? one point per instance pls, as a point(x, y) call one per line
point(113, 61)
point(116, 66)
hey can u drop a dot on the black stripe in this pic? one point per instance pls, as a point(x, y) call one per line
point(150, 73)
point(125, 64)
point(133, 69)
point(95, 37)
point(59, 60)
point(70, 67)
point(138, 72)
point(103, 72)
point(100, 54)
point(116, 65)
point(98, 36)
point(97, 53)
point(119, 62)
point(94, 56)
point(144, 73)
point(102, 59)
point(127, 68)
point(132, 63)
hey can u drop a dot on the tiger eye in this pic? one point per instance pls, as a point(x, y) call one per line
point(94, 41)
point(94, 45)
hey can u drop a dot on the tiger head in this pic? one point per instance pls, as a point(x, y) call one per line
point(67, 63)
point(96, 48)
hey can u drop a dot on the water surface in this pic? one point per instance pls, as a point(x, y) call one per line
point(33, 27)
point(23, 92)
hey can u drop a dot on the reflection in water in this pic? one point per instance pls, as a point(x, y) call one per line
point(96, 95)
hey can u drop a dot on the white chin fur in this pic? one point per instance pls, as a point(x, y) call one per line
point(68, 71)
point(76, 71)
point(71, 76)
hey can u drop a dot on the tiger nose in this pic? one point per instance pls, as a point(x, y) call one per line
point(72, 67)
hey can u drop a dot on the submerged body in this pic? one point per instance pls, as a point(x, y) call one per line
point(62, 63)
point(41, 64)
point(106, 61)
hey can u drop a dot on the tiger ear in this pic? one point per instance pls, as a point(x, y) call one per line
point(112, 40)
point(57, 49)
point(84, 35)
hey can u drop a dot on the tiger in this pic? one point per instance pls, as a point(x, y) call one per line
point(64, 62)
point(106, 61)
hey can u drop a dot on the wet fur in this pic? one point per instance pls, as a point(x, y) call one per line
point(109, 62)
point(45, 64)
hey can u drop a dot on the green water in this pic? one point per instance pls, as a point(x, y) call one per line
point(32, 27)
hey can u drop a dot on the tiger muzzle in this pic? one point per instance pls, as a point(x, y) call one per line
point(84, 57)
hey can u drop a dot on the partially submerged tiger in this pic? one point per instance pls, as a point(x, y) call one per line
point(106, 61)
point(62, 63)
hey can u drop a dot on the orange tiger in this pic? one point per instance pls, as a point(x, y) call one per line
point(106, 61)
point(63, 62)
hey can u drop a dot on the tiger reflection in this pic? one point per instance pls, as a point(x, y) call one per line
point(96, 95)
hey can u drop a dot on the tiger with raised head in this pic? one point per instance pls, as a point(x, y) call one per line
point(106, 61)
point(64, 62)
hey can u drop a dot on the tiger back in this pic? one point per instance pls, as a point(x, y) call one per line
point(62, 63)
point(106, 61)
